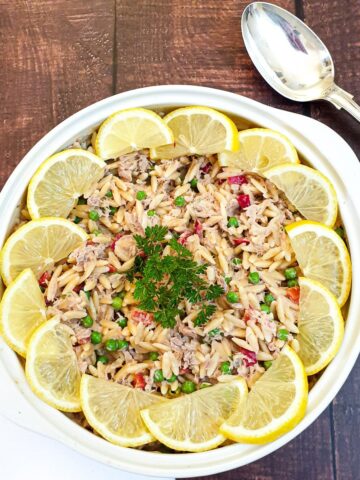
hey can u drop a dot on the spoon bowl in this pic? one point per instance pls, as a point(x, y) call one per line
point(291, 57)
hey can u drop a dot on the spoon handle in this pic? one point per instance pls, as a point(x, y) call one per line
point(341, 99)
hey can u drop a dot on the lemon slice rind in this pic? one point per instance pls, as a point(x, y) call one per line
point(19, 317)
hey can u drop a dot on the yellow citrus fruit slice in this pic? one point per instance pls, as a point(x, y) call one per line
point(113, 410)
point(191, 423)
point(51, 367)
point(130, 130)
point(321, 326)
point(22, 309)
point(322, 256)
point(308, 190)
point(275, 404)
point(260, 149)
point(38, 245)
point(60, 180)
point(198, 130)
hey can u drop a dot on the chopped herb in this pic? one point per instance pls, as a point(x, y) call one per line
point(162, 282)
point(340, 232)
point(267, 364)
point(109, 194)
point(227, 280)
point(77, 220)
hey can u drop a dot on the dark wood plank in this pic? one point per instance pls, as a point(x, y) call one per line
point(188, 42)
point(198, 42)
point(56, 59)
point(338, 24)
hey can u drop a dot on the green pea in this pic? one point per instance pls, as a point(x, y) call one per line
point(122, 322)
point(87, 321)
point(93, 215)
point(81, 201)
point(151, 213)
point(225, 368)
point(227, 280)
point(232, 297)
point(290, 273)
point(111, 345)
point(188, 387)
point(237, 261)
point(340, 231)
point(153, 356)
point(122, 344)
point(265, 308)
point(292, 283)
point(77, 220)
point(113, 210)
point(268, 299)
point(254, 278)
point(267, 364)
point(193, 183)
point(88, 294)
point(95, 338)
point(233, 222)
point(141, 195)
point(282, 334)
point(109, 194)
point(116, 303)
point(180, 201)
point(172, 379)
point(102, 359)
point(214, 332)
point(158, 376)
point(205, 385)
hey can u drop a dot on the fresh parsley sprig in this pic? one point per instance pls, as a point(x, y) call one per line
point(163, 281)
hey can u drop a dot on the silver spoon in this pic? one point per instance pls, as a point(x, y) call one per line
point(291, 57)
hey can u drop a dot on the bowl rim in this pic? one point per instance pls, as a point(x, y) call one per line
point(299, 129)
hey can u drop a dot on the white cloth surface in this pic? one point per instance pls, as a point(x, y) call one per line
point(30, 456)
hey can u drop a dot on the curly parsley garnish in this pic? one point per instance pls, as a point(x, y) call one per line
point(162, 282)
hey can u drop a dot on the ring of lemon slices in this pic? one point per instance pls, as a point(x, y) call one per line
point(131, 417)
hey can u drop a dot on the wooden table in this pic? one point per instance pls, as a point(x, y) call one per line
point(59, 56)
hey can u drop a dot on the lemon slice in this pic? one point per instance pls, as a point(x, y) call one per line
point(130, 130)
point(22, 309)
point(113, 410)
point(51, 367)
point(191, 423)
point(260, 149)
point(38, 245)
point(275, 404)
point(60, 180)
point(322, 256)
point(308, 190)
point(198, 130)
point(321, 326)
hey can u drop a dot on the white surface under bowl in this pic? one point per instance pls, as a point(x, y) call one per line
point(320, 146)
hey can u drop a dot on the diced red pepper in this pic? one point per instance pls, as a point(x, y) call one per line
point(250, 357)
point(112, 269)
point(184, 236)
point(293, 294)
point(183, 371)
point(78, 288)
point(198, 228)
point(139, 381)
point(206, 168)
point(142, 254)
point(144, 317)
point(243, 201)
point(116, 238)
point(44, 279)
point(237, 180)
point(246, 316)
point(82, 341)
point(240, 241)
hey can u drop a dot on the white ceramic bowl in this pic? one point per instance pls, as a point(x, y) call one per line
point(320, 146)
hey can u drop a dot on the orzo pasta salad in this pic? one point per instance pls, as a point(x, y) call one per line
point(188, 257)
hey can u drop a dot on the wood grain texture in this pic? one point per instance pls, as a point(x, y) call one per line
point(60, 55)
point(338, 25)
point(56, 59)
point(188, 42)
